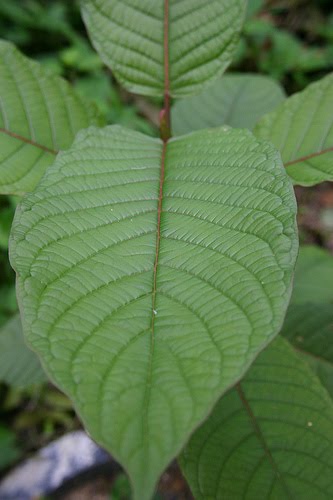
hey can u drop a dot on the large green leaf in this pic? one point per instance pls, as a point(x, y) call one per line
point(236, 100)
point(19, 366)
point(150, 276)
point(39, 115)
point(269, 438)
point(309, 320)
point(165, 45)
point(302, 129)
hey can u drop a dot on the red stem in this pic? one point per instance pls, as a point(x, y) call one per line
point(165, 113)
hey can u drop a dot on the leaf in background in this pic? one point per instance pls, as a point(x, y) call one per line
point(39, 115)
point(6, 217)
point(302, 129)
point(269, 438)
point(253, 7)
point(8, 304)
point(19, 366)
point(192, 249)
point(309, 320)
point(9, 452)
point(236, 100)
point(130, 37)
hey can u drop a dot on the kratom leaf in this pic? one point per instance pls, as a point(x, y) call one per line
point(150, 276)
point(269, 438)
point(39, 114)
point(309, 320)
point(165, 46)
point(302, 129)
point(236, 100)
point(19, 366)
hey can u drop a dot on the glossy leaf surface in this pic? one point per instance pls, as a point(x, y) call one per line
point(135, 39)
point(39, 115)
point(149, 278)
point(269, 438)
point(302, 129)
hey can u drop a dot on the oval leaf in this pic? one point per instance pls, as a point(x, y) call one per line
point(269, 438)
point(302, 129)
point(39, 115)
point(150, 275)
point(236, 100)
point(156, 44)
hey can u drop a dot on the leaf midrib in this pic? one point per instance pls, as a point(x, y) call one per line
point(309, 156)
point(165, 139)
point(261, 438)
point(28, 141)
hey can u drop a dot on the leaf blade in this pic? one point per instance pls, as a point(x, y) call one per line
point(236, 100)
point(130, 39)
point(309, 320)
point(271, 433)
point(97, 209)
point(39, 114)
point(302, 129)
point(19, 366)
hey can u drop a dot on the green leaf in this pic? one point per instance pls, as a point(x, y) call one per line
point(309, 320)
point(9, 452)
point(150, 276)
point(269, 438)
point(302, 129)
point(6, 218)
point(162, 46)
point(39, 115)
point(236, 100)
point(19, 366)
point(253, 7)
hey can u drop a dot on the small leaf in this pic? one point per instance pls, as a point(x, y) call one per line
point(39, 115)
point(302, 129)
point(150, 276)
point(142, 41)
point(269, 438)
point(236, 100)
point(309, 320)
point(19, 366)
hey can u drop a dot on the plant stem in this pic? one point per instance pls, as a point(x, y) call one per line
point(165, 119)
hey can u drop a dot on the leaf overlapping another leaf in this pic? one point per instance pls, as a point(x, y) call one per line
point(302, 129)
point(269, 438)
point(39, 114)
point(237, 100)
point(129, 36)
point(309, 320)
point(146, 316)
